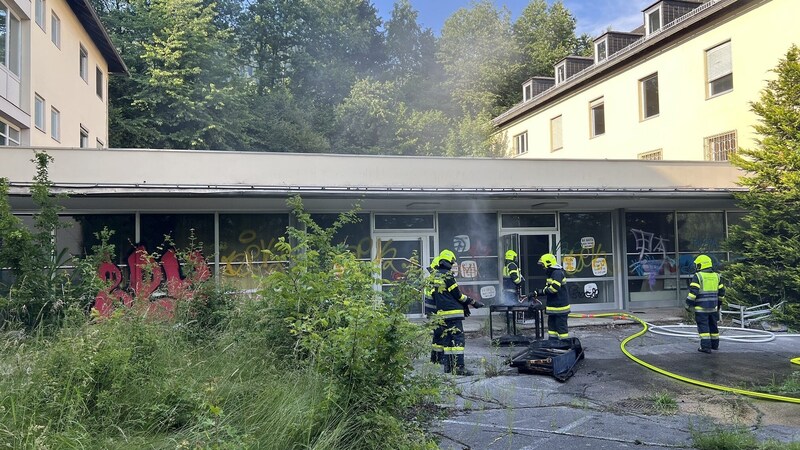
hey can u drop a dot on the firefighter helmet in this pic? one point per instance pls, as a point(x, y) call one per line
point(702, 262)
point(448, 256)
point(548, 260)
point(511, 254)
point(435, 262)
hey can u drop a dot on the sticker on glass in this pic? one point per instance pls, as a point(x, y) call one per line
point(488, 292)
point(461, 243)
point(570, 263)
point(587, 242)
point(599, 267)
point(469, 269)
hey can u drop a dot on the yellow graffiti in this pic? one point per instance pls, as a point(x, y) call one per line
point(243, 263)
point(587, 257)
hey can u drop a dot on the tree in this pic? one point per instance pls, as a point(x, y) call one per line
point(184, 90)
point(476, 50)
point(409, 48)
point(367, 120)
point(768, 243)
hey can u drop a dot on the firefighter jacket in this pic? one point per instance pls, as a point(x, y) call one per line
point(429, 286)
point(450, 302)
point(511, 276)
point(706, 292)
point(555, 289)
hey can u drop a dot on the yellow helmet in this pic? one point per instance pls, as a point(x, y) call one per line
point(511, 254)
point(548, 260)
point(448, 256)
point(435, 262)
point(702, 262)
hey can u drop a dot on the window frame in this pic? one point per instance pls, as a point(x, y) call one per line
point(643, 98)
point(84, 134)
point(40, 14)
point(648, 15)
point(710, 154)
point(5, 133)
point(560, 120)
point(55, 124)
point(527, 91)
point(648, 156)
point(99, 84)
point(729, 74)
point(39, 106)
point(604, 43)
point(55, 29)
point(561, 72)
point(12, 42)
point(83, 64)
point(521, 143)
point(593, 107)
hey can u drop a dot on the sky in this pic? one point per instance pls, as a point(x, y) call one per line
point(593, 16)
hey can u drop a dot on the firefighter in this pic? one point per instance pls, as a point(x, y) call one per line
point(451, 306)
point(430, 313)
point(512, 279)
point(555, 290)
point(706, 293)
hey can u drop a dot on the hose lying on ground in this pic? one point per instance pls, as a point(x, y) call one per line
point(645, 328)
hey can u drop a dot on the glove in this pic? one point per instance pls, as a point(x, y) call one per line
point(466, 310)
point(478, 304)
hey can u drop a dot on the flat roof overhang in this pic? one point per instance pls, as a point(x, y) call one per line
point(183, 180)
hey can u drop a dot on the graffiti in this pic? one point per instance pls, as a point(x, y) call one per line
point(154, 284)
point(239, 263)
point(590, 290)
point(469, 269)
point(652, 258)
point(590, 255)
point(461, 243)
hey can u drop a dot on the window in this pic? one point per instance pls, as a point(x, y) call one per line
point(9, 40)
point(561, 73)
point(84, 143)
point(55, 29)
point(38, 112)
point(100, 144)
point(655, 155)
point(403, 221)
point(719, 69)
point(555, 134)
point(41, 12)
point(84, 64)
point(9, 136)
point(598, 117)
point(521, 143)
point(653, 21)
point(721, 146)
point(649, 96)
point(527, 92)
point(99, 82)
point(601, 52)
point(55, 124)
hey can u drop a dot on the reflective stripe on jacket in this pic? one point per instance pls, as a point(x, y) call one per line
point(511, 276)
point(706, 291)
point(555, 289)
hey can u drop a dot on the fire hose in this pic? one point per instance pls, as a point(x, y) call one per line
point(646, 327)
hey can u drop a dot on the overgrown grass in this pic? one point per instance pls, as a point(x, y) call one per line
point(788, 387)
point(664, 403)
point(736, 439)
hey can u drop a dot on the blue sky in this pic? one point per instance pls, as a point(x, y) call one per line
point(593, 16)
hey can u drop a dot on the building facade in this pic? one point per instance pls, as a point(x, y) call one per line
point(626, 231)
point(678, 88)
point(54, 74)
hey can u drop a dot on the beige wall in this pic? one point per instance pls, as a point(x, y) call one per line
point(55, 77)
point(759, 36)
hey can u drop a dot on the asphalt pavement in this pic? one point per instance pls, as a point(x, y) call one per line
point(612, 402)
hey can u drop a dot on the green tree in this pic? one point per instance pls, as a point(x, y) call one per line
point(543, 36)
point(367, 120)
point(476, 49)
point(768, 243)
point(184, 90)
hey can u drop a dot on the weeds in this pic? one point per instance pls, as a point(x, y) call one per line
point(664, 403)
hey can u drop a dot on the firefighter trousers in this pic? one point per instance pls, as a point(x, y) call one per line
point(707, 329)
point(452, 341)
point(557, 326)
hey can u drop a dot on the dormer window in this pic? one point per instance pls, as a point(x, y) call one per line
point(561, 73)
point(527, 91)
point(600, 51)
point(653, 20)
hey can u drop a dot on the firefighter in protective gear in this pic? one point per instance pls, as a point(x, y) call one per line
point(512, 280)
point(452, 306)
point(706, 293)
point(430, 313)
point(555, 290)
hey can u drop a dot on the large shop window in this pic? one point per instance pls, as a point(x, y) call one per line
point(246, 243)
point(82, 234)
point(185, 231)
point(529, 220)
point(587, 256)
point(403, 221)
point(473, 238)
point(651, 259)
point(355, 237)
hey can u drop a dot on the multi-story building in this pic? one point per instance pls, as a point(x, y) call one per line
point(56, 59)
point(679, 87)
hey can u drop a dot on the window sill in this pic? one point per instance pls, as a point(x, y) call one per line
point(645, 119)
point(719, 94)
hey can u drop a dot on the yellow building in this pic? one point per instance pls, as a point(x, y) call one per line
point(56, 57)
point(678, 88)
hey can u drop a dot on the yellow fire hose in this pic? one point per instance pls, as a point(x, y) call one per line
point(718, 387)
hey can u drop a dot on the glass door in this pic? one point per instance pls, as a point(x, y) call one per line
point(529, 248)
point(394, 256)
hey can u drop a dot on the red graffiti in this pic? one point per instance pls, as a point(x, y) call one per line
point(146, 277)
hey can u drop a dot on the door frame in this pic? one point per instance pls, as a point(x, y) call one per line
point(425, 238)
